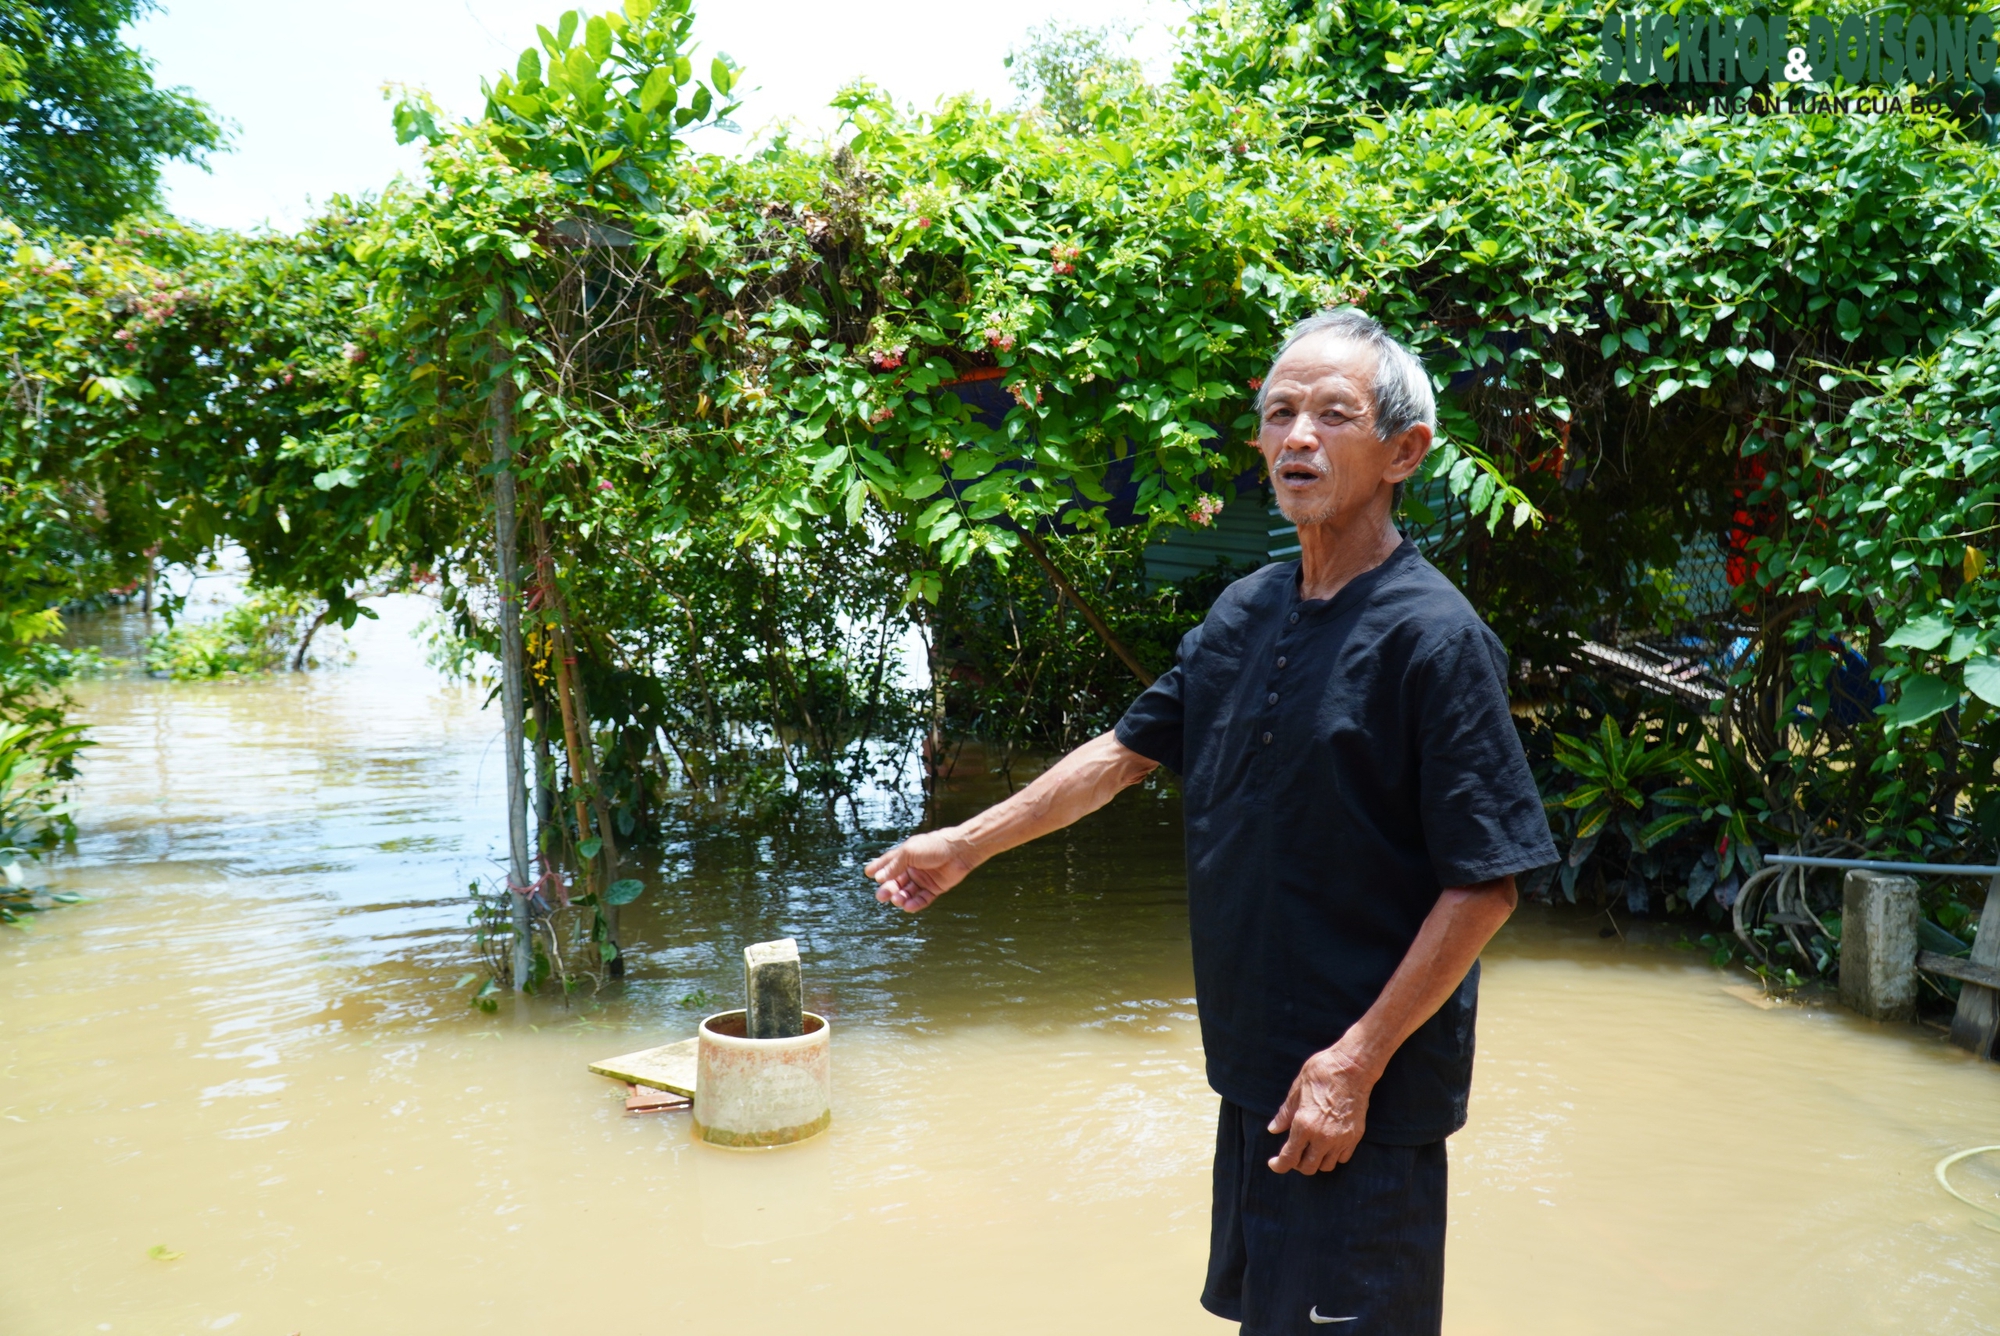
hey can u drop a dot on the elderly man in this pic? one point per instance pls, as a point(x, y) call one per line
point(1357, 806)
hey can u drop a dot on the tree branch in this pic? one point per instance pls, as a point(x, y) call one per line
point(1068, 591)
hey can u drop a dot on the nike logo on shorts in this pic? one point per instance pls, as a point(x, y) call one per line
point(1319, 1321)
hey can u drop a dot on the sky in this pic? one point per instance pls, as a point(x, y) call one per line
point(302, 83)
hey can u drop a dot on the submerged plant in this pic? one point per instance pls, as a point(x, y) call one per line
point(270, 630)
point(36, 763)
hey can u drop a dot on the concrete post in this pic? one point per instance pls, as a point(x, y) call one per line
point(1878, 945)
point(774, 995)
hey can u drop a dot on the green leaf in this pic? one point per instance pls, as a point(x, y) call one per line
point(590, 848)
point(160, 1252)
point(597, 39)
point(701, 104)
point(658, 84)
point(528, 70)
point(413, 122)
point(721, 75)
point(1982, 678)
point(1925, 632)
point(1922, 697)
point(340, 477)
point(1665, 826)
point(1763, 358)
point(466, 981)
point(607, 952)
point(623, 891)
point(566, 28)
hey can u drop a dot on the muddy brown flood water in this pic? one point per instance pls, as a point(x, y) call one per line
point(248, 1049)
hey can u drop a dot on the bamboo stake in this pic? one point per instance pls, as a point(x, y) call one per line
point(608, 847)
point(576, 740)
point(507, 570)
point(570, 744)
point(545, 775)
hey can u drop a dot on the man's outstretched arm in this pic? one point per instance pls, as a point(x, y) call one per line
point(923, 867)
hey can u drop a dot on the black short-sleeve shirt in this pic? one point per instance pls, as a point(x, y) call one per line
point(1342, 761)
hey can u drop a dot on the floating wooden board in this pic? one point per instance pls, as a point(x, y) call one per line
point(1756, 997)
point(669, 1067)
point(645, 1099)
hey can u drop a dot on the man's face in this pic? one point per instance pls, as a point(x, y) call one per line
point(1318, 437)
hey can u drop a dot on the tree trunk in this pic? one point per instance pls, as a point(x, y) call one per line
point(512, 697)
point(305, 641)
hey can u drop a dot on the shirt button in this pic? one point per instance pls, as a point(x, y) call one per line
point(1295, 617)
point(1267, 739)
point(1281, 660)
point(1271, 699)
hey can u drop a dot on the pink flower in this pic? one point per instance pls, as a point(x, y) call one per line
point(1205, 510)
point(1064, 267)
point(604, 485)
point(923, 222)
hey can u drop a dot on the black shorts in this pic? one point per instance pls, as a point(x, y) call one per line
point(1359, 1250)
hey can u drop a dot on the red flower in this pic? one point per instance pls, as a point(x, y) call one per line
point(1256, 382)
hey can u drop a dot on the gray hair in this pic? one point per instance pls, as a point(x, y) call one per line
point(1402, 389)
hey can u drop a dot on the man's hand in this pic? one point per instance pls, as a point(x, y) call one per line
point(916, 872)
point(1327, 1109)
point(1325, 1113)
point(920, 869)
